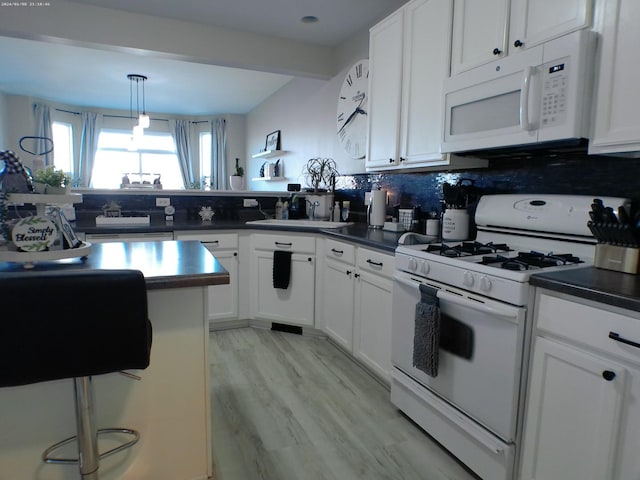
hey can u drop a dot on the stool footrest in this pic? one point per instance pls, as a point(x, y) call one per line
point(46, 455)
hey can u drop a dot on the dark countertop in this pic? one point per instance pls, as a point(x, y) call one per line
point(357, 233)
point(604, 286)
point(169, 264)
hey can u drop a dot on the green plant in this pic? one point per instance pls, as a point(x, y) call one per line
point(239, 170)
point(320, 173)
point(53, 177)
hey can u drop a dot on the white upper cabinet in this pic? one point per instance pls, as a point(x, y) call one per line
point(479, 33)
point(616, 122)
point(385, 91)
point(487, 30)
point(409, 60)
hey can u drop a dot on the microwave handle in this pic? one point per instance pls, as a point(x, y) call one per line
point(524, 99)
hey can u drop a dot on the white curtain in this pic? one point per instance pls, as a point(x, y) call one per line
point(42, 115)
point(219, 175)
point(91, 123)
point(180, 129)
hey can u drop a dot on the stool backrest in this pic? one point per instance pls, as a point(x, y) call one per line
point(72, 323)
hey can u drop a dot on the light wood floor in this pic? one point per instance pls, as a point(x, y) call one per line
point(291, 407)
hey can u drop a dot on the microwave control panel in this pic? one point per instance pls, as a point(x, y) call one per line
point(554, 92)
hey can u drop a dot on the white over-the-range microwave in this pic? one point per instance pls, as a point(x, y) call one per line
point(542, 94)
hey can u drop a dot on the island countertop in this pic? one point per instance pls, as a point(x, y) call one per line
point(167, 264)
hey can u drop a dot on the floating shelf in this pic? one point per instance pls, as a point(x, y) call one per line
point(268, 179)
point(268, 154)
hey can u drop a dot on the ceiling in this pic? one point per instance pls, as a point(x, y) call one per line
point(86, 77)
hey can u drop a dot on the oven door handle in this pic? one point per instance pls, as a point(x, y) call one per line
point(475, 305)
point(413, 282)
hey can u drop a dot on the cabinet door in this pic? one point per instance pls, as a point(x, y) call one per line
point(338, 291)
point(372, 324)
point(536, 21)
point(295, 305)
point(223, 299)
point(573, 414)
point(616, 119)
point(385, 96)
point(479, 29)
point(427, 23)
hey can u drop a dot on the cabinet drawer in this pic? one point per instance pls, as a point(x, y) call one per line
point(342, 252)
point(284, 242)
point(375, 262)
point(213, 241)
point(588, 325)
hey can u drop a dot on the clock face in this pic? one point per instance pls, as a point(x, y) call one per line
point(353, 110)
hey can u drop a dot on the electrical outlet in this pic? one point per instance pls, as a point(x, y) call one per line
point(163, 202)
point(250, 202)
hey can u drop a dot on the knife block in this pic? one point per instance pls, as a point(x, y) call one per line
point(620, 259)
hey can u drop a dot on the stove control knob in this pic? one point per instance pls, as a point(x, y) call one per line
point(424, 268)
point(485, 283)
point(413, 264)
point(467, 279)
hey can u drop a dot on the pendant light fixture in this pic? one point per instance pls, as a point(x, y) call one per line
point(143, 119)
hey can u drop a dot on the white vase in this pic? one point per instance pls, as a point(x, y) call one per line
point(235, 182)
point(322, 210)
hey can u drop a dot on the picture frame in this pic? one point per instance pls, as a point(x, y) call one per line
point(273, 141)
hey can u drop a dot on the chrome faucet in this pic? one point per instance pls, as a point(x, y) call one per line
point(312, 209)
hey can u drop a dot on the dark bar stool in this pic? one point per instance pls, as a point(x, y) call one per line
point(75, 324)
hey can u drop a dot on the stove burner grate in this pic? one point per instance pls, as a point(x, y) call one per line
point(467, 249)
point(526, 260)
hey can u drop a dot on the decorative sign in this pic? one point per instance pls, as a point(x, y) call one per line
point(34, 234)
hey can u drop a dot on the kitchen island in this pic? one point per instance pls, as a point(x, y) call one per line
point(169, 405)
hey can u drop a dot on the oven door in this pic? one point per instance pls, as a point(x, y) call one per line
point(480, 355)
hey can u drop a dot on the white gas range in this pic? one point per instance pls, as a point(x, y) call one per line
point(474, 402)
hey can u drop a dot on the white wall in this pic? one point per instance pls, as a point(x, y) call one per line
point(304, 111)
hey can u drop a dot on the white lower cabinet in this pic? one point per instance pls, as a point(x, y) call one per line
point(584, 387)
point(294, 305)
point(356, 300)
point(222, 299)
point(372, 320)
point(338, 291)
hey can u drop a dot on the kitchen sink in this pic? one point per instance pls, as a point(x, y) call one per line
point(300, 223)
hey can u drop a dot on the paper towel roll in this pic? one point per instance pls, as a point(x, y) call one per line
point(378, 208)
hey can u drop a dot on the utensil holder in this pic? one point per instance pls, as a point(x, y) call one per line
point(619, 259)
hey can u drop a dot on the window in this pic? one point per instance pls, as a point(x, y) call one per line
point(155, 156)
point(205, 159)
point(63, 152)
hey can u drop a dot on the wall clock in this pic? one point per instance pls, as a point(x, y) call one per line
point(352, 110)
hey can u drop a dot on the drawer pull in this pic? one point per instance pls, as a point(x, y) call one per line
point(212, 241)
point(375, 264)
point(608, 375)
point(286, 244)
point(337, 252)
point(615, 336)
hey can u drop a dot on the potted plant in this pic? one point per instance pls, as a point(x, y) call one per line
point(52, 181)
point(320, 175)
point(235, 180)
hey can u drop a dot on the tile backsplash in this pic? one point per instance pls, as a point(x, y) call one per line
point(576, 174)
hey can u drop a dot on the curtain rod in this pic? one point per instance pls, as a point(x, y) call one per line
point(130, 118)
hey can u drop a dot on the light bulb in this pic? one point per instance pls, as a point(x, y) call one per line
point(144, 121)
